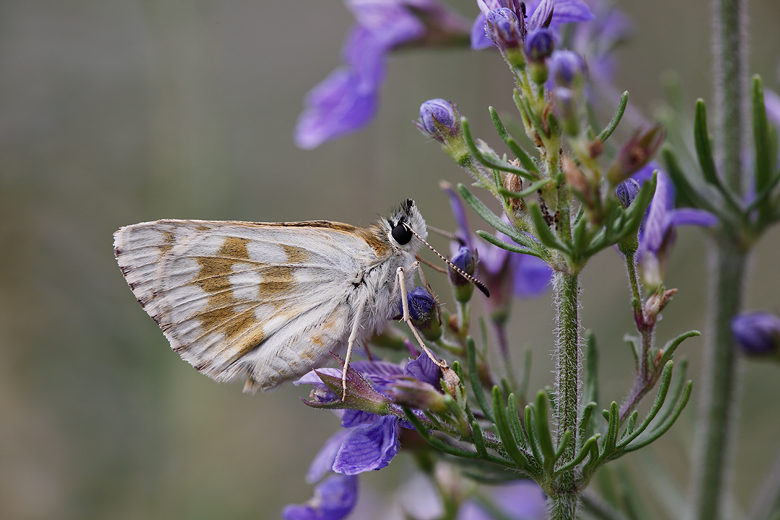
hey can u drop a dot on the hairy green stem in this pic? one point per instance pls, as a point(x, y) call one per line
point(715, 425)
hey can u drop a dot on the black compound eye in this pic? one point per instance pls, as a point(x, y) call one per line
point(402, 234)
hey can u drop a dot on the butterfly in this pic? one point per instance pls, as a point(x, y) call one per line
point(267, 302)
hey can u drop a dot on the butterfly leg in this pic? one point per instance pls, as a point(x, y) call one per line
point(350, 342)
point(407, 318)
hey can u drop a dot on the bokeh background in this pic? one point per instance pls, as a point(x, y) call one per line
point(114, 112)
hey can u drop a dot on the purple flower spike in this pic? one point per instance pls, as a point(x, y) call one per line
point(537, 15)
point(348, 99)
point(333, 499)
point(757, 333)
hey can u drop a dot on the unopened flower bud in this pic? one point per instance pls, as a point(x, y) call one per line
point(424, 313)
point(757, 333)
point(539, 46)
point(627, 191)
point(567, 69)
point(412, 393)
point(636, 153)
point(465, 260)
point(505, 30)
point(439, 118)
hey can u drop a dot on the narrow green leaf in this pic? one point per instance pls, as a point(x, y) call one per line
point(604, 135)
point(764, 160)
point(587, 448)
point(610, 441)
point(562, 446)
point(675, 391)
point(479, 442)
point(671, 346)
point(580, 236)
point(492, 162)
point(664, 427)
point(504, 431)
point(514, 420)
point(543, 432)
point(703, 149)
point(663, 388)
point(476, 384)
point(491, 218)
point(519, 152)
point(435, 442)
point(530, 430)
point(686, 189)
point(506, 245)
point(630, 425)
point(586, 425)
point(546, 236)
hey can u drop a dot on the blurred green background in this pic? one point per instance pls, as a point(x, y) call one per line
point(114, 112)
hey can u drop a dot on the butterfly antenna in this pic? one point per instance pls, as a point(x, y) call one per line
point(479, 285)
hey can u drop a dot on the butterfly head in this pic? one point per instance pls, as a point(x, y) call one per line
point(406, 227)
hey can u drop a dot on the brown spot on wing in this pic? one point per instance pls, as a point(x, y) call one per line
point(168, 242)
point(223, 313)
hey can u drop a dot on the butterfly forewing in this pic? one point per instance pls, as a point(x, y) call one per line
point(237, 299)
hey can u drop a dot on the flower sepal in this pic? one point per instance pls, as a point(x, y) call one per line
point(360, 395)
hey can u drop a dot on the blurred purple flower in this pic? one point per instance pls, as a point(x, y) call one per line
point(347, 99)
point(333, 499)
point(522, 500)
point(757, 333)
point(596, 40)
point(537, 11)
point(504, 273)
point(657, 232)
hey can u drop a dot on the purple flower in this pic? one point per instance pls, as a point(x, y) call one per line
point(522, 500)
point(368, 441)
point(757, 333)
point(347, 99)
point(657, 232)
point(597, 39)
point(537, 11)
point(333, 499)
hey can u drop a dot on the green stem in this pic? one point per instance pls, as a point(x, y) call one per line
point(715, 424)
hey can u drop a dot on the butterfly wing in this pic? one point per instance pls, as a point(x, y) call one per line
point(267, 301)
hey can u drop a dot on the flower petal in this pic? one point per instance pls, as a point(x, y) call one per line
point(531, 276)
point(479, 38)
point(333, 499)
point(693, 217)
point(424, 369)
point(368, 448)
point(323, 461)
